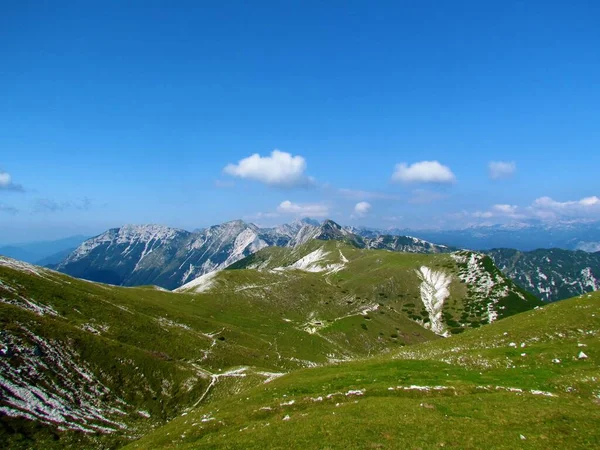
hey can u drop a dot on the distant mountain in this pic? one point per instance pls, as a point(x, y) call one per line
point(16, 252)
point(39, 252)
point(551, 274)
point(56, 258)
point(524, 237)
point(407, 244)
point(169, 257)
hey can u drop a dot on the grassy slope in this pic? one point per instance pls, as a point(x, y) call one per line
point(156, 350)
point(390, 280)
point(115, 333)
point(489, 395)
point(159, 351)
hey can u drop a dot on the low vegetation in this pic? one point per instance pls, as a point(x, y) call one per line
point(475, 390)
point(293, 347)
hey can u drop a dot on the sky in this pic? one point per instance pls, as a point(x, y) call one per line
point(407, 114)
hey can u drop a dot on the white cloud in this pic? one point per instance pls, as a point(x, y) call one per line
point(548, 203)
point(482, 214)
point(303, 209)
point(501, 210)
point(545, 209)
point(505, 209)
point(501, 169)
point(281, 169)
point(361, 209)
point(589, 201)
point(7, 184)
point(423, 172)
point(5, 179)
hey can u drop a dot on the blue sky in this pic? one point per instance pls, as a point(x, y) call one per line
point(383, 114)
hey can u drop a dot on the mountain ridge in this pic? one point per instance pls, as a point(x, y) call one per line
point(170, 257)
point(552, 274)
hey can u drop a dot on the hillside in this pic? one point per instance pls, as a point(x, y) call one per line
point(84, 361)
point(113, 362)
point(551, 274)
point(168, 257)
point(528, 381)
point(415, 285)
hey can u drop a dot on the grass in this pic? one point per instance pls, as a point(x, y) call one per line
point(160, 351)
point(480, 405)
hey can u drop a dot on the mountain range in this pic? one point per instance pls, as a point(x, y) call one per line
point(169, 257)
point(525, 236)
point(551, 274)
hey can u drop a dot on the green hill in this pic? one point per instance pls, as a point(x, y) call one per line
point(86, 365)
point(528, 381)
point(477, 292)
